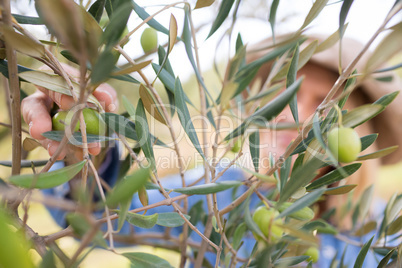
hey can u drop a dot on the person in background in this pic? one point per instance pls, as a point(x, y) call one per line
point(320, 74)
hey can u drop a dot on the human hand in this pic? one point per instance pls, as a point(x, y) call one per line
point(36, 113)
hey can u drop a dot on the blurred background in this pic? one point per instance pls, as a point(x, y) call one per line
point(364, 18)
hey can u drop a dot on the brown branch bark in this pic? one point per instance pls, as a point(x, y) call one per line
point(14, 94)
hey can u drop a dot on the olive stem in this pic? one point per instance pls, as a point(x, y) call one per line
point(338, 110)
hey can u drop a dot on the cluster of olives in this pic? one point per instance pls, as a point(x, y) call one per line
point(265, 218)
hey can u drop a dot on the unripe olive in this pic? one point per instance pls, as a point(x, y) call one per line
point(344, 144)
point(265, 220)
point(314, 254)
point(304, 214)
point(93, 121)
point(62, 119)
point(149, 40)
point(236, 146)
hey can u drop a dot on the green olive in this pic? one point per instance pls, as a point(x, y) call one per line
point(93, 121)
point(344, 144)
point(304, 214)
point(265, 220)
point(236, 146)
point(314, 254)
point(149, 40)
point(63, 119)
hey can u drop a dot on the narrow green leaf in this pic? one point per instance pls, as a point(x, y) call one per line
point(366, 228)
point(152, 22)
point(142, 221)
point(304, 56)
point(361, 114)
point(330, 41)
point(383, 263)
point(49, 179)
point(368, 140)
point(189, 49)
point(299, 178)
point(247, 73)
point(379, 153)
point(290, 261)
point(223, 13)
point(203, 3)
point(272, 16)
point(238, 235)
point(251, 224)
point(304, 214)
point(123, 211)
point(120, 125)
point(4, 68)
point(209, 188)
point(76, 138)
point(22, 43)
point(387, 99)
point(395, 226)
point(80, 226)
point(388, 47)
point(125, 188)
point(117, 24)
point(285, 171)
point(48, 260)
point(386, 79)
point(96, 9)
point(269, 111)
point(129, 107)
point(291, 78)
point(344, 189)
point(362, 254)
point(302, 202)
point(26, 163)
point(342, 16)
point(21, 19)
point(103, 67)
point(54, 83)
point(185, 118)
point(146, 260)
point(394, 67)
point(365, 201)
point(254, 144)
point(334, 176)
point(144, 139)
point(171, 219)
point(320, 139)
point(315, 10)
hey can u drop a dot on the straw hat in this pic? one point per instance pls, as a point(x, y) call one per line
point(388, 124)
